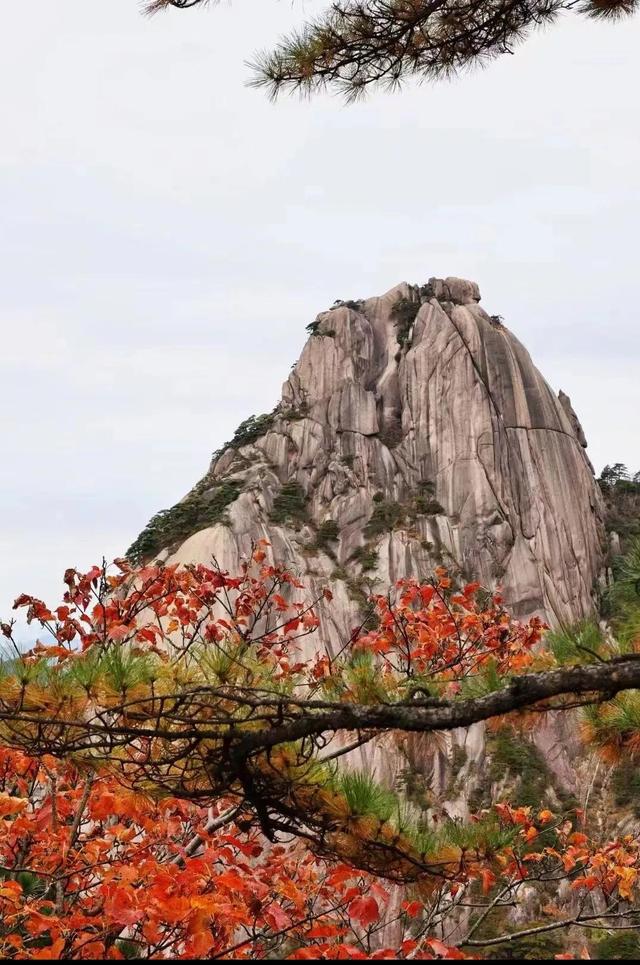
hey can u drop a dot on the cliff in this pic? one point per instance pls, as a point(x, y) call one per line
point(413, 431)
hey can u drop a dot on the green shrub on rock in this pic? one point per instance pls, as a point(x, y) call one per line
point(290, 505)
point(404, 314)
point(170, 527)
point(386, 516)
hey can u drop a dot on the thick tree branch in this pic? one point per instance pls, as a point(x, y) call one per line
point(603, 679)
point(285, 720)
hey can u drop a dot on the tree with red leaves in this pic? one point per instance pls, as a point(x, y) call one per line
point(176, 776)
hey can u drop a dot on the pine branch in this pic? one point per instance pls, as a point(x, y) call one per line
point(359, 43)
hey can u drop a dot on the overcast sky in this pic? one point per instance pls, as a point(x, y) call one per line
point(166, 234)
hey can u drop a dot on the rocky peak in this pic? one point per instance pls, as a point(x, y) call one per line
point(414, 430)
point(456, 290)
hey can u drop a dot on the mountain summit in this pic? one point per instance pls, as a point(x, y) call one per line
point(413, 431)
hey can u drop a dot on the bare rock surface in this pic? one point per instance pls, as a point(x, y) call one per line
point(456, 427)
point(419, 424)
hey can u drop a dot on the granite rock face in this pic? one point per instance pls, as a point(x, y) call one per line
point(454, 434)
point(419, 425)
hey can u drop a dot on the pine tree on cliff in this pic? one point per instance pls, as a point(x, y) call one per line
point(358, 43)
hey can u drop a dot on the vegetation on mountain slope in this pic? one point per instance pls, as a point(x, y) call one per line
point(171, 785)
point(621, 491)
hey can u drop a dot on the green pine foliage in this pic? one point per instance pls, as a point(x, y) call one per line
point(386, 516)
point(328, 532)
point(621, 491)
point(424, 501)
point(581, 642)
point(366, 556)
point(290, 505)
point(404, 314)
point(170, 527)
point(251, 429)
point(621, 599)
point(619, 946)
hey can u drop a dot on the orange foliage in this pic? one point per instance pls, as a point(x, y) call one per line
point(102, 858)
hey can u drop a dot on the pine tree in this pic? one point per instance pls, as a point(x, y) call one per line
point(356, 44)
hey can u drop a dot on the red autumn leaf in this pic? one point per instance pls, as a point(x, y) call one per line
point(339, 875)
point(122, 908)
point(408, 945)
point(119, 632)
point(443, 951)
point(412, 908)
point(277, 916)
point(488, 880)
point(11, 805)
point(345, 951)
point(232, 880)
point(365, 911)
point(588, 881)
point(50, 952)
point(311, 952)
point(438, 947)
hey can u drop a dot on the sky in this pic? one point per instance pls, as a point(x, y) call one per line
point(166, 233)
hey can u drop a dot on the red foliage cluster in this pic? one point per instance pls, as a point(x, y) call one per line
point(93, 871)
point(97, 862)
